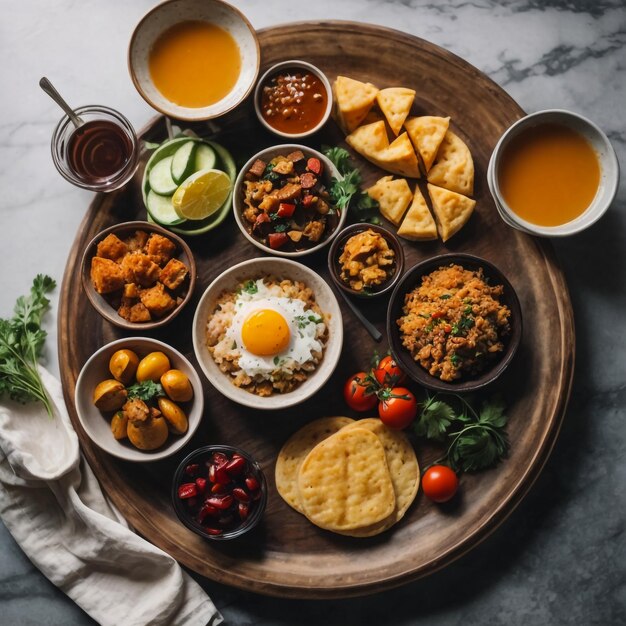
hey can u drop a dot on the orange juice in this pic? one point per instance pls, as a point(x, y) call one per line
point(195, 64)
point(549, 174)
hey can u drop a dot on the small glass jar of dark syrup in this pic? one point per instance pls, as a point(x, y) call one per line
point(101, 155)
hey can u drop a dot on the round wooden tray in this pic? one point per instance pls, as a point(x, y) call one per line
point(288, 556)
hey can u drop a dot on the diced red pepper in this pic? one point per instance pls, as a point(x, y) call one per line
point(261, 219)
point(307, 200)
point(277, 240)
point(437, 315)
point(201, 484)
point(285, 209)
point(187, 490)
point(447, 328)
point(314, 165)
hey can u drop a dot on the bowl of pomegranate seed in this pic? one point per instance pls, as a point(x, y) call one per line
point(219, 492)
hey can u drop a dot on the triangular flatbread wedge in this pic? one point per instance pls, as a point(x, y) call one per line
point(369, 140)
point(454, 167)
point(400, 158)
point(393, 196)
point(396, 103)
point(426, 133)
point(451, 209)
point(354, 100)
point(418, 223)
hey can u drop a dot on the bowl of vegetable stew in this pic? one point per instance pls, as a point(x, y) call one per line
point(282, 203)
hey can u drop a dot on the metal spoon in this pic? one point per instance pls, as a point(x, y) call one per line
point(47, 86)
point(369, 327)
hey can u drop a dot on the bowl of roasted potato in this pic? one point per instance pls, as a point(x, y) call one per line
point(139, 399)
point(138, 275)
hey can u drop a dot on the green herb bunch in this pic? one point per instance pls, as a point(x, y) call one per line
point(346, 192)
point(475, 439)
point(21, 342)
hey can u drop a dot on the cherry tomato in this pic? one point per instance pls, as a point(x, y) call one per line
point(397, 408)
point(388, 372)
point(358, 394)
point(440, 483)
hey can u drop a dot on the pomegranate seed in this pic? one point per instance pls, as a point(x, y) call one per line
point(252, 483)
point(221, 503)
point(244, 510)
point(205, 511)
point(187, 490)
point(218, 489)
point(236, 466)
point(221, 476)
point(201, 484)
point(192, 503)
point(212, 473)
point(192, 469)
point(212, 531)
point(241, 494)
point(236, 456)
point(219, 458)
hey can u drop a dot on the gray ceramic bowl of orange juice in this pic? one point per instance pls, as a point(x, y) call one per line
point(553, 173)
point(194, 59)
point(293, 99)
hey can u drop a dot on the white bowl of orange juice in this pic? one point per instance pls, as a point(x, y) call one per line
point(553, 173)
point(194, 59)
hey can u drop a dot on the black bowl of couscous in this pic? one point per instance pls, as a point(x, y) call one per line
point(454, 323)
point(138, 275)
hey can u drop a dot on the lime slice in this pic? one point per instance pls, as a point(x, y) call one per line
point(202, 194)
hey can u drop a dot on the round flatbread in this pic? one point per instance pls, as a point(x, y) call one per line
point(403, 469)
point(296, 449)
point(344, 482)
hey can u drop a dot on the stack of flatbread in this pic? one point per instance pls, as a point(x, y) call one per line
point(371, 116)
point(351, 477)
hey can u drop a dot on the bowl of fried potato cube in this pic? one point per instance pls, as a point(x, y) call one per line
point(138, 275)
point(139, 399)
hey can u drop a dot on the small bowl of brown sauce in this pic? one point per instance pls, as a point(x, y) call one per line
point(366, 260)
point(553, 173)
point(293, 99)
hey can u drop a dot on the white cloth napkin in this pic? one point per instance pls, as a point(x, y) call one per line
point(53, 506)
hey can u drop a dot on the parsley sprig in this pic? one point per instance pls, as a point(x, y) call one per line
point(475, 439)
point(146, 391)
point(21, 342)
point(347, 192)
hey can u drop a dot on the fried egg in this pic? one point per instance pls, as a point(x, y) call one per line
point(272, 332)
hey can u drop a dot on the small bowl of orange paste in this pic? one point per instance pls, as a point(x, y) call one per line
point(194, 60)
point(293, 99)
point(553, 173)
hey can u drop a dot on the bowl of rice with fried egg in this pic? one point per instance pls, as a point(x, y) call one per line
point(268, 332)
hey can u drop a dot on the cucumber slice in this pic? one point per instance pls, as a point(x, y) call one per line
point(166, 149)
point(161, 209)
point(205, 158)
point(160, 177)
point(184, 161)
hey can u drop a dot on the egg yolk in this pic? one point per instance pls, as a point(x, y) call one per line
point(265, 332)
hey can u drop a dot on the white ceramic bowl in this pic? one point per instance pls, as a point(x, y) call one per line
point(267, 155)
point(255, 269)
point(293, 63)
point(164, 16)
point(98, 424)
point(609, 172)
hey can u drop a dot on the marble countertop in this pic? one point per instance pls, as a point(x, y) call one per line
point(560, 558)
